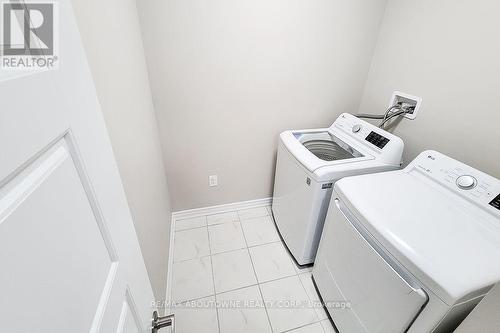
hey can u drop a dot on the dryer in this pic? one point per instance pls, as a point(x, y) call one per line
point(308, 164)
point(412, 250)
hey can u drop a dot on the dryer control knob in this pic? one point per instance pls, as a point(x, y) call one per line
point(466, 182)
point(356, 128)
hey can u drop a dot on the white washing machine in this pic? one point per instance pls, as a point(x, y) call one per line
point(412, 250)
point(310, 161)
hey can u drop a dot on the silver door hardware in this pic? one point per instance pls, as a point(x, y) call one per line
point(158, 322)
point(308, 181)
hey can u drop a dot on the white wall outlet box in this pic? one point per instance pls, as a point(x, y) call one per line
point(212, 180)
point(406, 99)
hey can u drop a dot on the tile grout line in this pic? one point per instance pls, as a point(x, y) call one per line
point(213, 277)
point(174, 261)
point(297, 272)
point(199, 259)
point(250, 285)
point(208, 225)
point(187, 229)
point(236, 289)
point(311, 302)
point(256, 278)
point(177, 222)
point(293, 329)
point(287, 251)
point(211, 253)
point(228, 251)
point(219, 209)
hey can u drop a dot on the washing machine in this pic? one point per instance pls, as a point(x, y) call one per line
point(412, 250)
point(310, 161)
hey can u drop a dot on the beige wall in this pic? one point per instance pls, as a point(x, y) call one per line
point(228, 76)
point(112, 39)
point(448, 53)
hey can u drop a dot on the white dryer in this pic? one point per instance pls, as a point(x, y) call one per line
point(308, 164)
point(412, 250)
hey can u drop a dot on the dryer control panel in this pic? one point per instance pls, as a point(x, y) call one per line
point(475, 185)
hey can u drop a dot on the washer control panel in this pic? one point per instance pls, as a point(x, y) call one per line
point(355, 132)
point(370, 135)
point(461, 178)
point(377, 139)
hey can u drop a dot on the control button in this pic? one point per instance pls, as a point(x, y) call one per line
point(466, 182)
point(356, 128)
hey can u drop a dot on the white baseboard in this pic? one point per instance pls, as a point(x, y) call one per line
point(185, 214)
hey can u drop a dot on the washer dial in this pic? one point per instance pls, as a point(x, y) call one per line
point(466, 182)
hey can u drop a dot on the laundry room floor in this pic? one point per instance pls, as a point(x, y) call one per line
point(232, 274)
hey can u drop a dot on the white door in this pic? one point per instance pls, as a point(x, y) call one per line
point(69, 256)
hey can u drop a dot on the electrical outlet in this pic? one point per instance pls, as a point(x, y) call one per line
point(212, 180)
point(406, 100)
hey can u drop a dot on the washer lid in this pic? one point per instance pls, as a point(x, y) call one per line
point(446, 238)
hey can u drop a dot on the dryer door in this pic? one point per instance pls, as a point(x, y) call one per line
point(350, 267)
